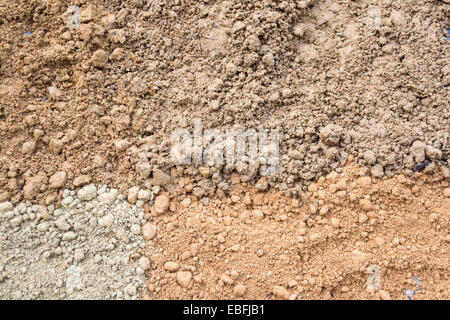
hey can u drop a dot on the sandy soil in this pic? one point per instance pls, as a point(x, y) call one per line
point(263, 245)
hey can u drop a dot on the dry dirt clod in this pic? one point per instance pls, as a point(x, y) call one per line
point(149, 231)
point(87, 193)
point(133, 195)
point(81, 180)
point(171, 266)
point(365, 204)
point(160, 178)
point(58, 180)
point(184, 278)
point(99, 58)
point(447, 192)
point(162, 203)
point(281, 292)
point(144, 263)
point(239, 290)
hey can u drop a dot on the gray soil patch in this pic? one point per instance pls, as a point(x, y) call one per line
point(79, 251)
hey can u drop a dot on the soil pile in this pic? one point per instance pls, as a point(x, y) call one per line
point(103, 98)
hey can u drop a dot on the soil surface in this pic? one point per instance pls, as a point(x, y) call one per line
point(92, 91)
point(350, 229)
point(103, 99)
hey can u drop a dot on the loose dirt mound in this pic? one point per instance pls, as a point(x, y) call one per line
point(103, 98)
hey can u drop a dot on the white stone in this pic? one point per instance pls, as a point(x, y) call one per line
point(106, 221)
point(144, 263)
point(68, 236)
point(42, 227)
point(144, 195)
point(62, 224)
point(107, 197)
point(16, 221)
point(5, 206)
point(88, 192)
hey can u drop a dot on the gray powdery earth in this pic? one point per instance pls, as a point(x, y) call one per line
point(79, 251)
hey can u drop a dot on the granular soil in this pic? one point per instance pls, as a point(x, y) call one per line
point(103, 99)
point(349, 230)
point(80, 250)
point(360, 101)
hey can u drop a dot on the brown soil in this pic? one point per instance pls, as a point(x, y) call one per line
point(317, 250)
point(100, 99)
